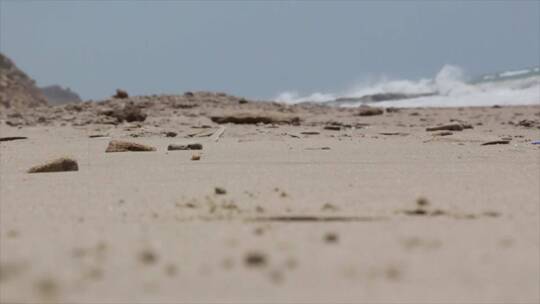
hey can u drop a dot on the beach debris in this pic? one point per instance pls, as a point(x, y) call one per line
point(201, 133)
point(537, 142)
point(314, 218)
point(215, 137)
point(242, 101)
point(309, 133)
point(97, 135)
point(369, 111)
point(255, 259)
point(121, 94)
point(319, 148)
point(496, 142)
point(189, 94)
point(393, 110)
point(421, 208)
point(170, 134)
point(528, 123)
point(130, 113)
point(394, 133)
point(58, 165)
point(148, 257)
point(448, 127)
point(331, 237)
point(332, 127)
point(255, 118)
point(422, 202)
point(196, 156)
point(191, 146)
point(220, 191)
point(10, 138)
point(126, 146)
point(443, 133)
point(291, 135)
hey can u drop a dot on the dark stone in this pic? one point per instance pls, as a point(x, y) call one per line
point(193, 146)
point(368, 111)
point(121, 94)
point(248, 118)
point(255, 259)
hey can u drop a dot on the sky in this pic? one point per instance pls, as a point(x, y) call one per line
point(259, 49)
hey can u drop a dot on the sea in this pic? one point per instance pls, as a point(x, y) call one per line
point(449, 88)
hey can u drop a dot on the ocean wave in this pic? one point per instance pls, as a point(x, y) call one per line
point(449, 88)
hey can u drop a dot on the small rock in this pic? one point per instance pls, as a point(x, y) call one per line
point(57, 165)
point(14, 122)
point(443, 133)
point(196, 157)
point(193, 146)
point(242, 101)
point(448, 127)
point(125, 146)
point(332, 127)
point(189, 94)
point(392, 110)
point(170, 134)
point(422, 202)
point(368, 111)
point(255, 259)
point(131, 113)
point(527, 123)
point(121, 94)
point(220, 191)
point(97, 135)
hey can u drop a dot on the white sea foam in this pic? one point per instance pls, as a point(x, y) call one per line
point(514, 73)
point(449, 87)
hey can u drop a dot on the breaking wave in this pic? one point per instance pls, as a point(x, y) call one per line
point(449, 88)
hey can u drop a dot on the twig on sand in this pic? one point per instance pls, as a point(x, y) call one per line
point(10, 138)
point(215, 137)
point(496, 142)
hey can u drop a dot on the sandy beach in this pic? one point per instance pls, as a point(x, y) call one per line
point(316, 205)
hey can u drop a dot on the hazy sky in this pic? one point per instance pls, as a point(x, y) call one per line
point(259, 49)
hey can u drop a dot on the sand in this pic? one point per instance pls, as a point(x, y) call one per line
point(322, 217)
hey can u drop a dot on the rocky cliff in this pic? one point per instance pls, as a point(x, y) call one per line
point(17, 90)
